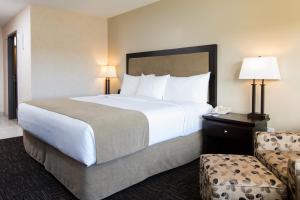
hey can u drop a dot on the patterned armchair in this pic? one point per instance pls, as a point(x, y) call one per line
point(280, 152)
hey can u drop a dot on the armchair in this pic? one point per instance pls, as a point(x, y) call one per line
point(280, 152)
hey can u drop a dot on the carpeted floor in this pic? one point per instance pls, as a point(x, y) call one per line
point(23, 178)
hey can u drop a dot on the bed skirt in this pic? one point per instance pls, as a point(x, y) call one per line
point(100, 181)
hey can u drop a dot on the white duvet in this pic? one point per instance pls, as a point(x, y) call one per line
point(75, 138)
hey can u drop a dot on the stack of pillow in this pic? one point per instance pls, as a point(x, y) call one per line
point(169, 88)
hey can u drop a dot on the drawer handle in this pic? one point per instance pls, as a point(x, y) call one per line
point(225, 131)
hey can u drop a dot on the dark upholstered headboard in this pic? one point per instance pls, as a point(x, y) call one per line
point(187, 61)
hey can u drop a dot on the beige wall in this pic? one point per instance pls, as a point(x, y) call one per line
point(67, 49)
point(21, 24)
point(240, 28)
point(1, 75)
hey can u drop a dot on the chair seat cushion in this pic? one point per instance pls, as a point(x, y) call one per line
point(237, 177)
point(277, 162)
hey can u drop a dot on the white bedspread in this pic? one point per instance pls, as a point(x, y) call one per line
point(75, 138)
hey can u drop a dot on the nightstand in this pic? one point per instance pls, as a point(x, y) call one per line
point(232, 133)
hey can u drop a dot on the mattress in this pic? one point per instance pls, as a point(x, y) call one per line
point(75, 138)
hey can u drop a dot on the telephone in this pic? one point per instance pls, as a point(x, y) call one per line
point(222, 110)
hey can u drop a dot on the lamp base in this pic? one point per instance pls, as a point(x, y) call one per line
point(107, 86)
point(258, 116)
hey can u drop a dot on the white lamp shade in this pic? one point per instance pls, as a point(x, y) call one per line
point(108, 71)
point(260, 68)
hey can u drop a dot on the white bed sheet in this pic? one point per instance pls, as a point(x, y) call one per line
point(75, 138)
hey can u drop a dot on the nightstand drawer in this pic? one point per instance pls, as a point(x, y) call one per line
point(218, 129)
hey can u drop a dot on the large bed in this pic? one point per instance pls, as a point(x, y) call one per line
point(67, 145)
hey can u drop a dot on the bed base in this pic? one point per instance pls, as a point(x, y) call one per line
point(100, 181)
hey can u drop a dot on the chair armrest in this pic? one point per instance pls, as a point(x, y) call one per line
point(294, 178)
point(279, 141)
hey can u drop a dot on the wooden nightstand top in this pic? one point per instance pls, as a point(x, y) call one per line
point(234, 118)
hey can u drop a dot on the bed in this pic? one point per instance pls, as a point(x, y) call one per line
point(70, 155)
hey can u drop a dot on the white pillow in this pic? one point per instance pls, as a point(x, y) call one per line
point(130, 84)
point(152, 86)
point(193, 88)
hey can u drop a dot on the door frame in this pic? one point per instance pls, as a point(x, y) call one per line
point(12, 85)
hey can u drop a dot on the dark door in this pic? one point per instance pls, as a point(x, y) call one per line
point(12, 76)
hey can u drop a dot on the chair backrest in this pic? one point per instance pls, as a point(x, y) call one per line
point(279, 141)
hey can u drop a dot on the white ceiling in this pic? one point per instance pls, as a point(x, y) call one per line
point(104, 8)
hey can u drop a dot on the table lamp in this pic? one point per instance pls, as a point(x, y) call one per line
point(259, 68)
point(108, 72)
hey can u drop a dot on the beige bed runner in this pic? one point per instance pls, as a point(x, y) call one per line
point(118, 132)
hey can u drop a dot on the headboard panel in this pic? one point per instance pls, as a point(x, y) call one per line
point(177, 62)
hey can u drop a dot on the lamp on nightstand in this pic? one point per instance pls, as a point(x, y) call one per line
point(259, 68)
point(108, 72)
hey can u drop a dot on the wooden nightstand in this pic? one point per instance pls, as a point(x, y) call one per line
point(231, 133)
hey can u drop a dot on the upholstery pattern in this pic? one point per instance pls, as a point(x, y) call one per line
point(224, 176)
point(280, 141)
point(280, 152)
point(277, 162)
